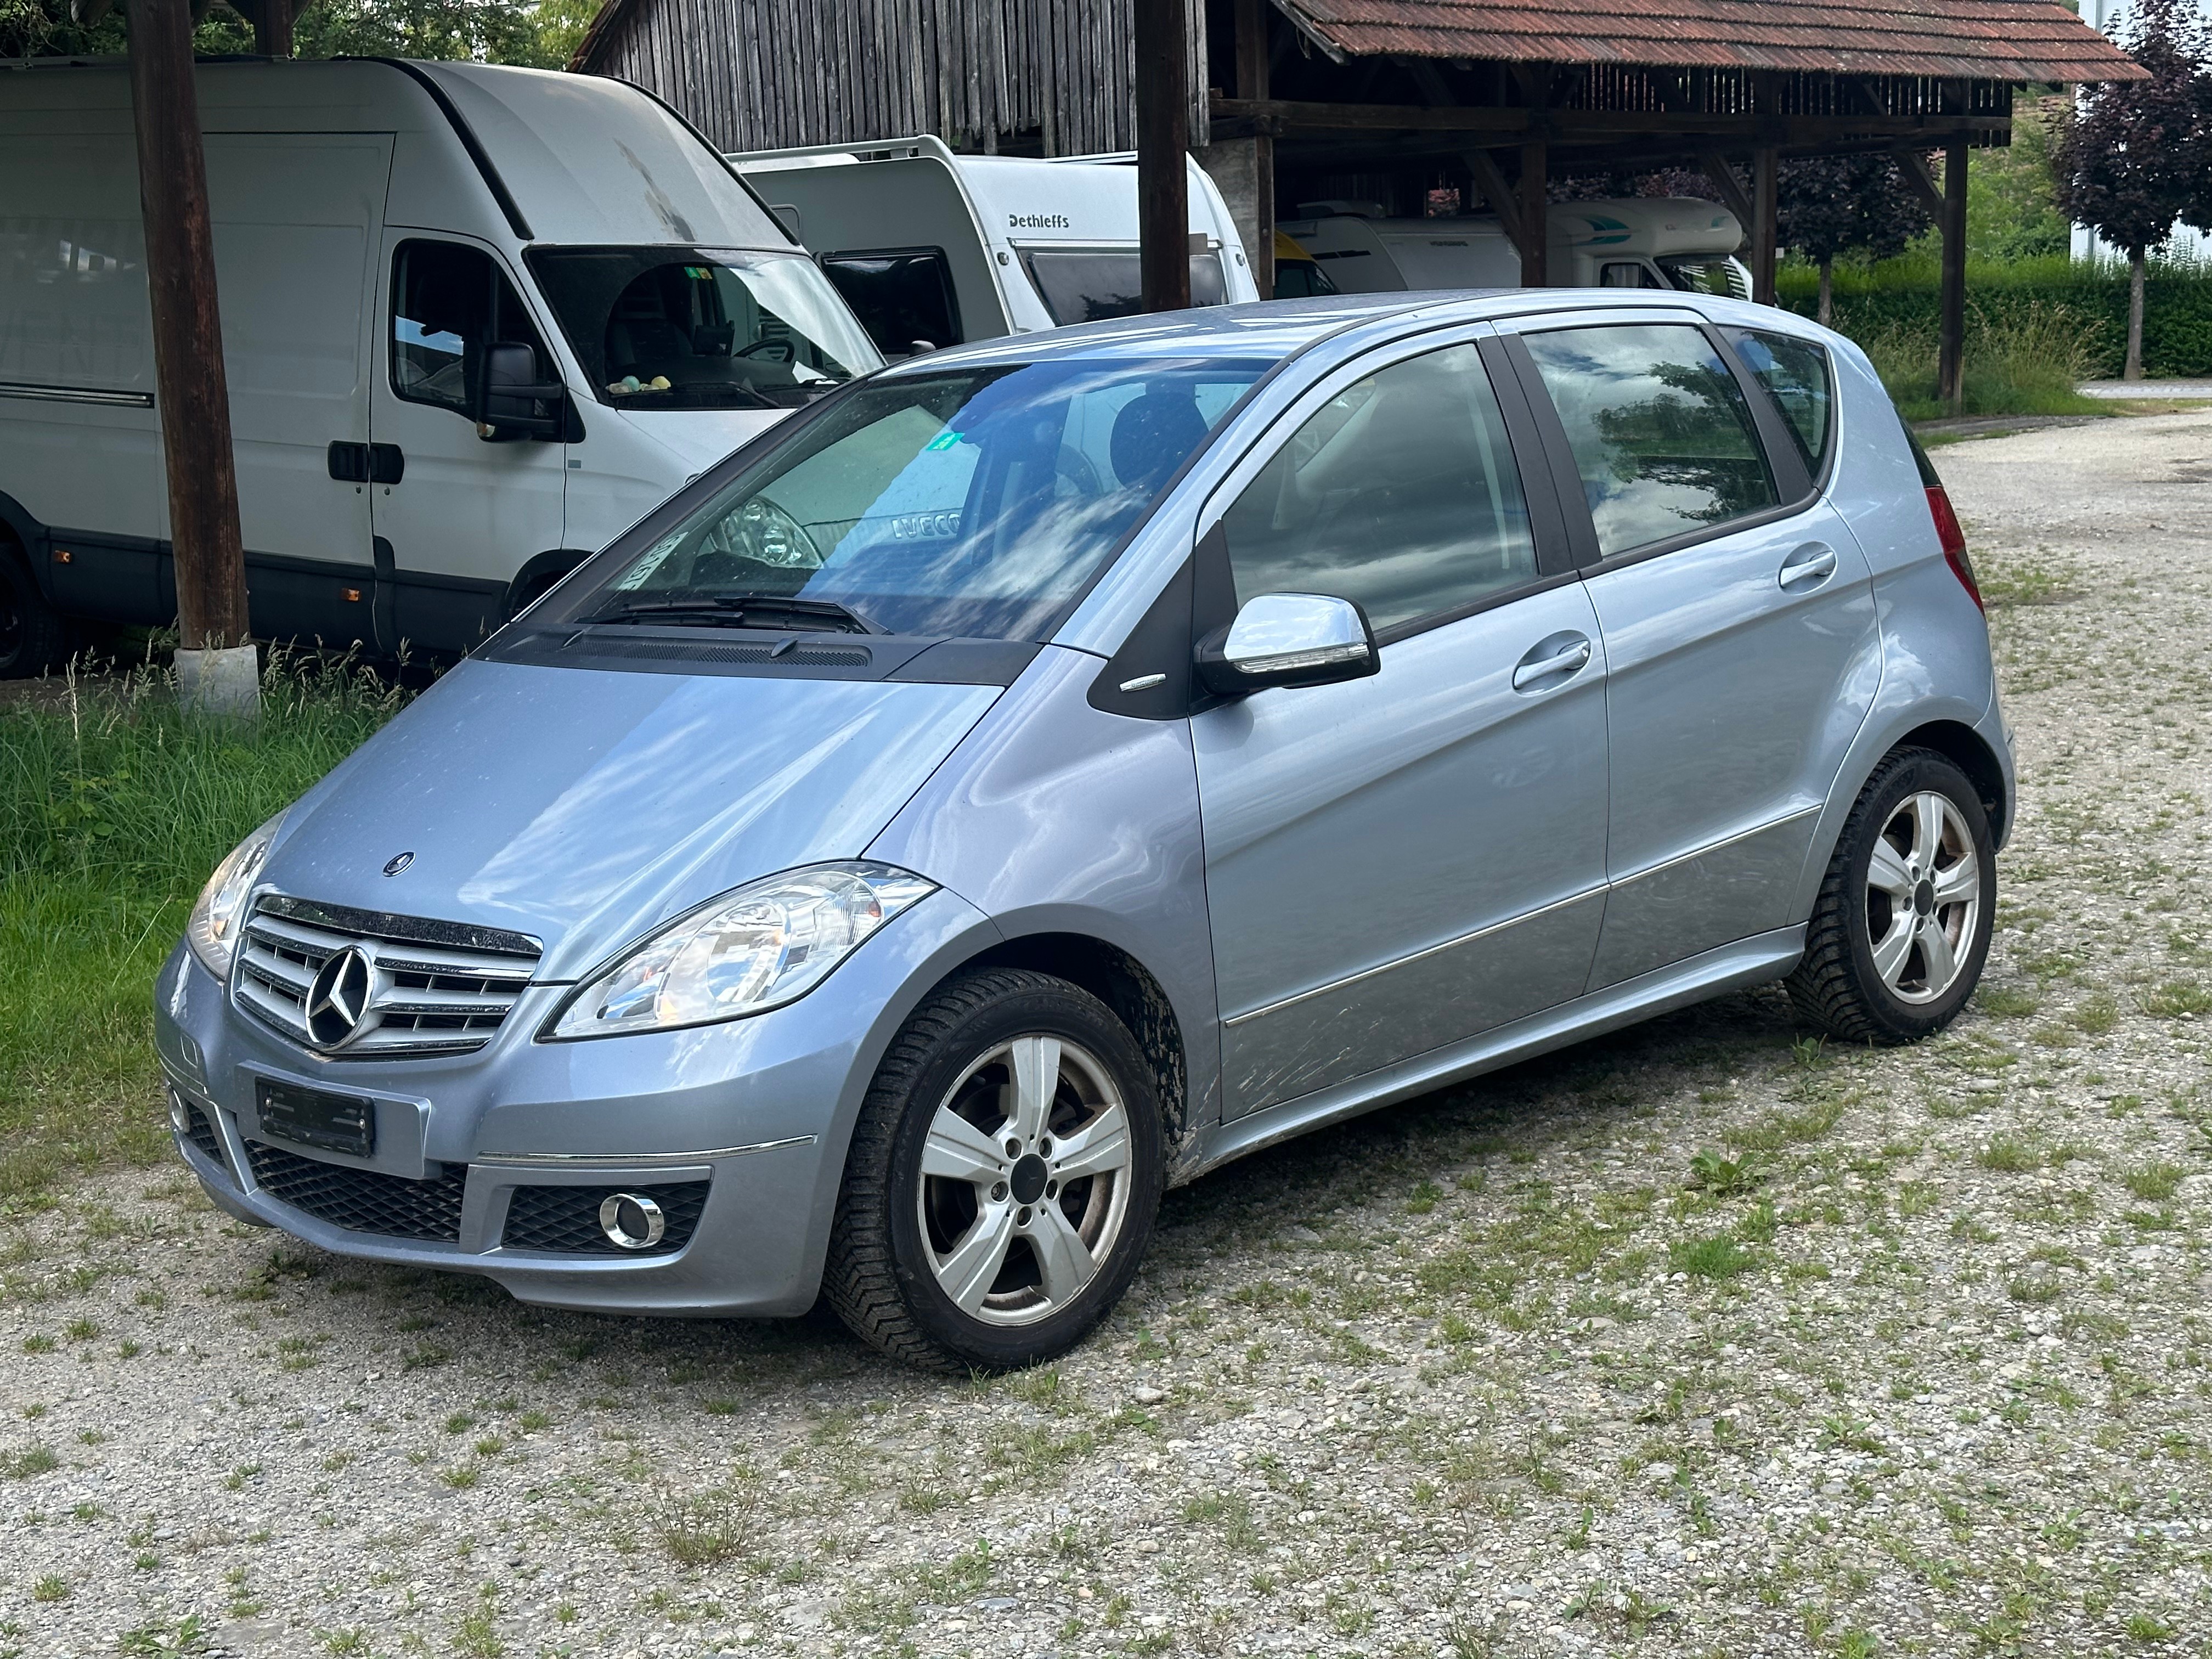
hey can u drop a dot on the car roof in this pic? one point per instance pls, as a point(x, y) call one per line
point(1282, 328)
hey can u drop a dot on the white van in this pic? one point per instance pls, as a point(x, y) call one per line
point(933, 249)
point(474, 322)
point(1663, 242)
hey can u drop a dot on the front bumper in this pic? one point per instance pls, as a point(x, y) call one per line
point(752, 1117)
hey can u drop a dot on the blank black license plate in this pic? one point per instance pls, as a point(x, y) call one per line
point(338, 1123)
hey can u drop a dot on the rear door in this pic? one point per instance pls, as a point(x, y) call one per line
point(1400, 862)
point(456, 516)
point(296, 223)
point(1737, 612)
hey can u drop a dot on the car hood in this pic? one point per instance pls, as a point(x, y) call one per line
point(583, 807)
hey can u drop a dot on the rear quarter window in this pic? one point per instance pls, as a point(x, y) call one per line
point(1796, 374)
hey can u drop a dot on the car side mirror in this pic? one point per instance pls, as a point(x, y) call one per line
point(1289, 639)
point(509, 396)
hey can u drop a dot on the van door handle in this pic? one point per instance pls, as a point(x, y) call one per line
point(348, 462)
point(386, 465)
point(1808, 566)
point(1555, 657)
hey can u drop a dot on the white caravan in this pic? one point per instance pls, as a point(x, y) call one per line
point(475, 321)
point(1664, 242)
point(933, 249)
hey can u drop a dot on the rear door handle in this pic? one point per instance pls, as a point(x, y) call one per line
point(1808, 566)
point(352, 463)
point(1555, 658)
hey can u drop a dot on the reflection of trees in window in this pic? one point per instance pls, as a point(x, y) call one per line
point(1694, 439)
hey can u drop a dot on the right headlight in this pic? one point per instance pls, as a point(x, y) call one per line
point(219, 914)
point(758, 947)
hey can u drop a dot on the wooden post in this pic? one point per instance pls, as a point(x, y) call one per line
point(272, 29)
point(1163, 144)
point(215, 660)
point(1950, 359)
point(1764, 208)
point(1252, 81)
point(1535, 218)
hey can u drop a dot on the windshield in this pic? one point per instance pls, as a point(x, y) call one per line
point(701, 328)
point(1708, 273)
point(967, 503)
point(1088, 285)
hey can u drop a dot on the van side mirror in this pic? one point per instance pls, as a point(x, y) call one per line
point(1289, 639)
point(509, 396)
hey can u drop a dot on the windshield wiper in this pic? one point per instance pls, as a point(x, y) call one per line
point(745, 611)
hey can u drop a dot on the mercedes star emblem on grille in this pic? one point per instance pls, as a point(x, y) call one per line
point(338, 1001)
point(397, 862)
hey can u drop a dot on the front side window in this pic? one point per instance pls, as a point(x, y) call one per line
point(1399, 493)
point(448, 302)
point(1794, 374)
point(1662, 434)
point(972, 503)
point(902, 299)
point(1088, 285)
point(700, 328)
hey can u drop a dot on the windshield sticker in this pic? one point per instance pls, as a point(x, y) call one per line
point(944, 439)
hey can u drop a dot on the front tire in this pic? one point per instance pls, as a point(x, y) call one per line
point(1003, 1179)
point(32, 636)
point(1901, 931)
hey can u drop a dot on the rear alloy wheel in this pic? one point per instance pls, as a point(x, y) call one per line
point(1901, 930)
point(1003, 1177)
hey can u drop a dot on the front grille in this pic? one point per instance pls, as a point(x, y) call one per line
point(201, 1132)
point(362, 1201)
point(435, 988)
point(567, 1218)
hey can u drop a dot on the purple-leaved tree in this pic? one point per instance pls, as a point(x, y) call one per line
point(1830, 205)
point(2130, 155)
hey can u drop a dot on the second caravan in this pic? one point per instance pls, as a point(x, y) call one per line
point(930, 248)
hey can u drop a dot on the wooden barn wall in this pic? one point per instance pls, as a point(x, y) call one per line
point(770, 74)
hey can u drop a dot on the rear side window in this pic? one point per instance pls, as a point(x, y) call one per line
point(900, 297)
point(1399, 493)
point(1090, 285)
point(1794, 374)
point(448, 303)
point(1662, 437)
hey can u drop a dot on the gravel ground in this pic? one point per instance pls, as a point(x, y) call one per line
point(1703, 1339)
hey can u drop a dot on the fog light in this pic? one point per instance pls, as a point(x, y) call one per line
point(179, 1120)
point(631, 1221)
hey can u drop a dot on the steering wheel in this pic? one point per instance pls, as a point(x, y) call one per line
point(772, 351)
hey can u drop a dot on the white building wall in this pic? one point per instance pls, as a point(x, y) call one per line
point(2184, 243)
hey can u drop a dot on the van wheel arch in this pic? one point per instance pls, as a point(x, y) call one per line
point(539, 572)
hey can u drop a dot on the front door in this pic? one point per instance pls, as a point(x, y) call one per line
point(1738, 617)
point(1401, 861)
point(456, 516)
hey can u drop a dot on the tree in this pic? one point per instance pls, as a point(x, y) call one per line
point(1828, 206)
point(2129, 155)
point(540, 34)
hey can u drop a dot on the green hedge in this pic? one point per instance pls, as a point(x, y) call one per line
point(1902, 295)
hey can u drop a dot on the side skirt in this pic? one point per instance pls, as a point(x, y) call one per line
point(1752, 961)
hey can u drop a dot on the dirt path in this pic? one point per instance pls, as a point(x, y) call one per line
point(1921, 1366)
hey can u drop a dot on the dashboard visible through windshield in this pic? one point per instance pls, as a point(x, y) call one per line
point(970, 503)
point(700, 328)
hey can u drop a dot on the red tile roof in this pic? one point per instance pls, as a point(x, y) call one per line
point(1973, 40)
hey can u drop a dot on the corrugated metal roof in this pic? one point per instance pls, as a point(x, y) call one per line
point(1970, 40)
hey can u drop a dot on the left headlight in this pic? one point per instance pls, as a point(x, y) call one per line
point(213, 929)
point(769, 943)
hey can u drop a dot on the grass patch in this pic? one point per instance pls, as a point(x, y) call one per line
point(2026, 359)
point(1717, 1257)
point(113, 809)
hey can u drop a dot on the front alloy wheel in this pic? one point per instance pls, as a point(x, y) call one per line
point(1003, 1176)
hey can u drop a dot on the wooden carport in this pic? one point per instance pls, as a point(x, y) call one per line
point(1511, 93)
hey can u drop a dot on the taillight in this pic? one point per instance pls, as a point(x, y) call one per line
point(1954, 543)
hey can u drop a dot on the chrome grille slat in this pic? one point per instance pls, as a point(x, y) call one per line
point(435, 990)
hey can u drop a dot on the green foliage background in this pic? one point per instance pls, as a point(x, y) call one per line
point(536, 33)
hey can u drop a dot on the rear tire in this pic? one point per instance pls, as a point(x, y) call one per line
point(1003, 1179)
point(1901, 929)
point(33, 638)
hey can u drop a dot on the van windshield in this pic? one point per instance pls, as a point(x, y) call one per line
point(972, 503)
point(701, 328)
point(1706, 273)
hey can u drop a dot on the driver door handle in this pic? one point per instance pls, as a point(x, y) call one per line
point(1560, 658)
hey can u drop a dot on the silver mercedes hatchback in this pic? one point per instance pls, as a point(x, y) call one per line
point(1040, 773)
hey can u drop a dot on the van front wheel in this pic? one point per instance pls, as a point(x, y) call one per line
point(1003, 1179)
point(32, 636)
